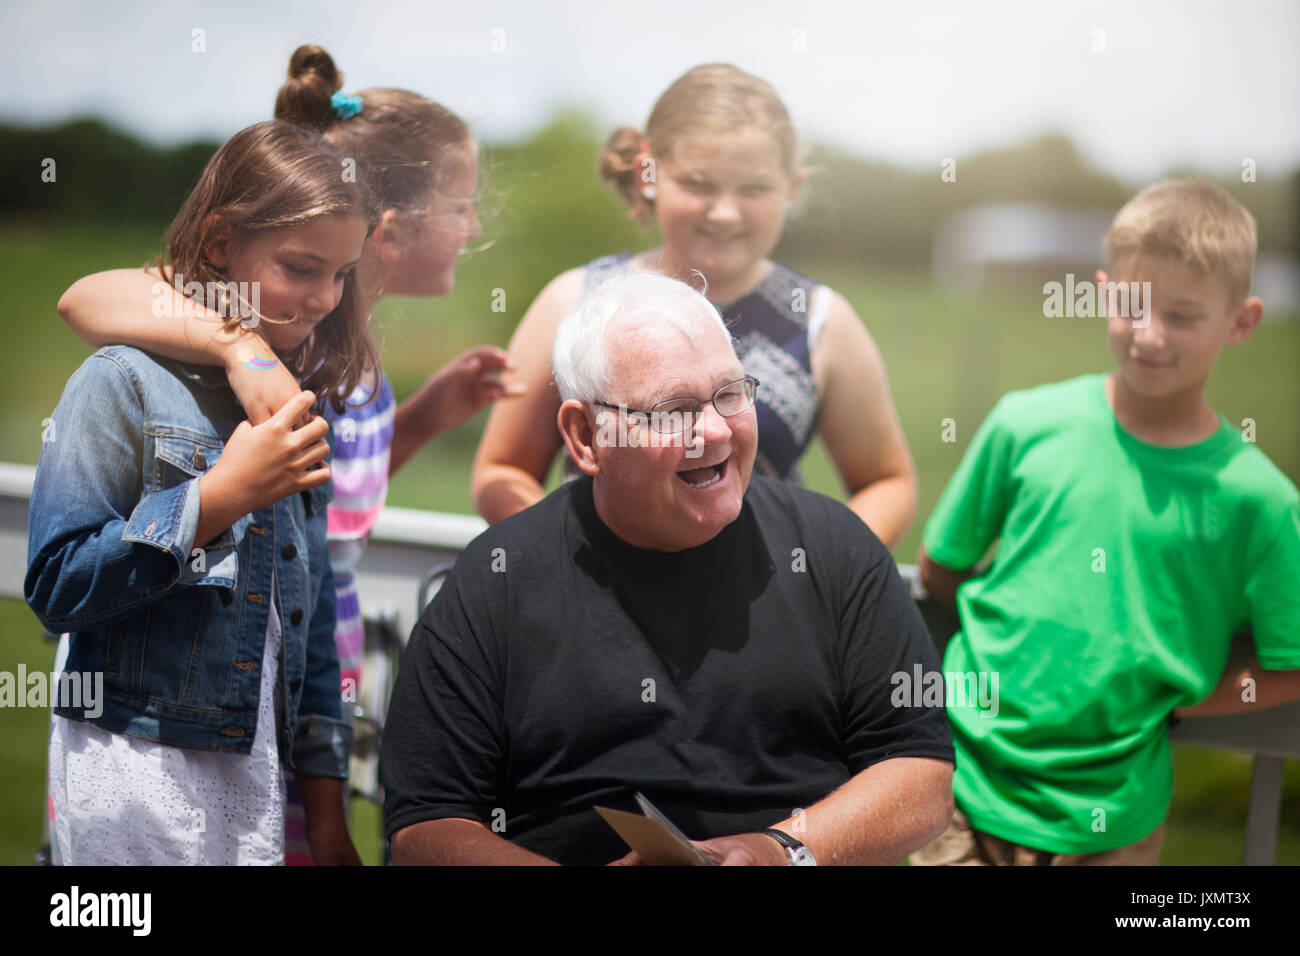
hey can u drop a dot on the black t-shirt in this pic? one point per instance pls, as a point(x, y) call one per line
point(731, 683)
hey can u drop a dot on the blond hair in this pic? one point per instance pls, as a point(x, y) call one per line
point(712, 99)
point(1191, 221)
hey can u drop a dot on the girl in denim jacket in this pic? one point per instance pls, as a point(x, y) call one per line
point(423, 162)
point(184, 548)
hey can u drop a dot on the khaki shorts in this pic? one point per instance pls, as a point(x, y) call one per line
point(960, 845)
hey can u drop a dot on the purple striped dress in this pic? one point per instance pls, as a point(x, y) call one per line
point(363, 437)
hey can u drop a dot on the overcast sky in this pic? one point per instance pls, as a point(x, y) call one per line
point(1175, 82)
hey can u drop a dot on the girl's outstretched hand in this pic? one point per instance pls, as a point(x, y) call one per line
point(262, 464)
point(450, 396)
point(260, 380)
point(471, 380)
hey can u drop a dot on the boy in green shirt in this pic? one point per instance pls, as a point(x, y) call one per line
point(1136, 533)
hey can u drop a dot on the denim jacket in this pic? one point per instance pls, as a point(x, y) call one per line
point(177, 630)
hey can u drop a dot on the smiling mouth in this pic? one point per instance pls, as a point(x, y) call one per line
point(705, 477)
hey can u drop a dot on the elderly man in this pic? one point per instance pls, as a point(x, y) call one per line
point(666, 624)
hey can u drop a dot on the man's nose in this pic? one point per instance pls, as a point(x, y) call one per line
point(710, 425)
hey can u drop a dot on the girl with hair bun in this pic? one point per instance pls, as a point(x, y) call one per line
point(421, 162)
point(717, 169)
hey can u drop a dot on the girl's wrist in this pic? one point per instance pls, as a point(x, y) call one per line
point(248, 349)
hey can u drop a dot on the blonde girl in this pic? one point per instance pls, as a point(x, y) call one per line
point(717, 170)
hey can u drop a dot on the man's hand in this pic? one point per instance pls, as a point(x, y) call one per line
point(742, 849)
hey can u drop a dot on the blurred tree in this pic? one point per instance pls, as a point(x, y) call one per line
point(545, 209)
point(101, 175)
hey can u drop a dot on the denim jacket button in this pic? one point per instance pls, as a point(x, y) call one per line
point(296, 617)
point(198, 461)
point(289, 552)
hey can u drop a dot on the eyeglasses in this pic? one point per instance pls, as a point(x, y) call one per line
point(676, 415)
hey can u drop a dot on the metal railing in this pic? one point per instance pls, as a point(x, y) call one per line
point(406, 543)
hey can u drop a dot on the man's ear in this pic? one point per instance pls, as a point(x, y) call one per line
point(1246, 320)
point(391, 236)
point(579, 436)
point(217, 250)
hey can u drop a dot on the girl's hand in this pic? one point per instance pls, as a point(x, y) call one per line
point(262, 464)
point(261, 381)
point(327, 828)
point(450, 396)
point(331, 845)
point(464, 385)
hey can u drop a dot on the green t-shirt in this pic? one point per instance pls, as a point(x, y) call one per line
point(1122, 571)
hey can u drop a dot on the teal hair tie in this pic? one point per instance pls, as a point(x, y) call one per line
point(346, 106)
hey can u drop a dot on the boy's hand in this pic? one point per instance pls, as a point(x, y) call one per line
point(455, 392)
point(262, 464)
point(260, 380)
point(940, 581)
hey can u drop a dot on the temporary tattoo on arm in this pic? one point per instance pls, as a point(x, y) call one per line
point(246, 356)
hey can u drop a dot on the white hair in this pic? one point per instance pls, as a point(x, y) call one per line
point(580, 356)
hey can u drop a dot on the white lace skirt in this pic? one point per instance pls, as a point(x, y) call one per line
point(120, 800)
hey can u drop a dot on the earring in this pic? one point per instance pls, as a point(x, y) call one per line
point(649, 192)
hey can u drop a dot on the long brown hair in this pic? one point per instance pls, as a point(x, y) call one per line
point(270, 176)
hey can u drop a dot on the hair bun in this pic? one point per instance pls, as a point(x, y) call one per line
point(618, 165)
point(305, 97)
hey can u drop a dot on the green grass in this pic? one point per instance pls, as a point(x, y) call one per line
point(947, 358)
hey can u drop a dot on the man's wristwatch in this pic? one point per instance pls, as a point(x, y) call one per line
point(800, 855)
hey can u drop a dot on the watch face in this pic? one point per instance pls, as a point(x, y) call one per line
point(803, 857)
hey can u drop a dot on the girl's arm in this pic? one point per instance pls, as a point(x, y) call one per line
point(521, 437)
point(327, 825)
point(860, 426)
point(452, 395)
point(136, 307)
point(322, 739)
